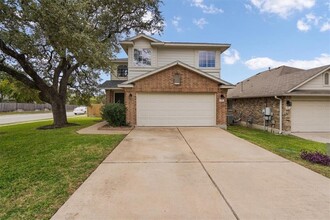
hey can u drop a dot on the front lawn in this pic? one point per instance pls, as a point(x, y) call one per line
point(24, 112)
point(287, 146)
point(40, 169)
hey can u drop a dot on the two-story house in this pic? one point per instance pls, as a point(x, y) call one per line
point(170, 83)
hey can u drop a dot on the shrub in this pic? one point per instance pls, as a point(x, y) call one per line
point(114, 114)
point(316, 157)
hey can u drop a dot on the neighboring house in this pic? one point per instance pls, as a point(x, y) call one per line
point(170, 83)
point(297, 100)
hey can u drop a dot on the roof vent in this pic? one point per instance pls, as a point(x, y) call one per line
point(177, 79)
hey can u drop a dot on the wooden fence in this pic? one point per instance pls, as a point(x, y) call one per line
point(94, 110)
point(10, 107)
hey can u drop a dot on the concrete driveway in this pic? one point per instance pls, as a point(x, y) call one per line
point(197, 173)
point(323, 137)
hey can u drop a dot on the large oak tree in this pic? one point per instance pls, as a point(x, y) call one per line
point(52, 46)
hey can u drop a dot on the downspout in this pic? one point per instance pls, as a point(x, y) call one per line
point(280, 113)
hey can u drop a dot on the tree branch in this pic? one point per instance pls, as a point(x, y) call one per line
point(65, 78)
point(18, 76)
point(58, 71)
point(41, 85)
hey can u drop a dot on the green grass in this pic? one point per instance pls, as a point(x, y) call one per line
point(25, 112)
point(287, 146)
point(40, 169)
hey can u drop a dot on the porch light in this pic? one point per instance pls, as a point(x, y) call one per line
point(222, 98)
point(177, 79)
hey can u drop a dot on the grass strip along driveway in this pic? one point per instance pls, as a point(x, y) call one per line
point(40, 169)
point(287, 146)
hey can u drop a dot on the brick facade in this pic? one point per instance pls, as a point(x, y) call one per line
point(162, 81)
point(252, 108)
point(109, 96)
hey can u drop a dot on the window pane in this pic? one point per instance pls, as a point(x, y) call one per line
point(142, 57)
point(122, 71)
point(206, 59)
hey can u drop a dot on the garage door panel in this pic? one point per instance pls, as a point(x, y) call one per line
point(310, 116)
point(175, 109)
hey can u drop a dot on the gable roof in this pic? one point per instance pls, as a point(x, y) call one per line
point(139, 36)
point(274, 82)
point(315, 72)
point(157, 43)
point(171, 65)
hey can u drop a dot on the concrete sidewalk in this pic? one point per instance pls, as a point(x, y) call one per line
point(197, 173)
point(95, 129)
point(22, 118)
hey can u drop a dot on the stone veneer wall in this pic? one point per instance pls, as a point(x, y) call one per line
point(252, 107)
point(191, 82)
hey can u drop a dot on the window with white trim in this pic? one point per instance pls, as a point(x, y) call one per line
point(326, 78)
point(122, 71)
point(142, 57)
point(206, 58)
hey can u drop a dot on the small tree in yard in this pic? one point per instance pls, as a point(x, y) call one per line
point(56, 47)
point(114, 114)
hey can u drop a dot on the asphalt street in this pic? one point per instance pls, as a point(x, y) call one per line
point(19, 118)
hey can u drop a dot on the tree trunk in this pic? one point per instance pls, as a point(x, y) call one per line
point(59, 113)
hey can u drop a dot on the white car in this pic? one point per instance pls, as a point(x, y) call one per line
point(81, 110)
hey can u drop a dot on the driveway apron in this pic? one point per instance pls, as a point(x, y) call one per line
point(197, 173)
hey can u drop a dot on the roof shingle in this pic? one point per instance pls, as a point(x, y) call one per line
point(111, 84)
point(273, 82)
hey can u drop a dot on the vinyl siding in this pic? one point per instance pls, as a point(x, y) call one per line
point(315, 84)
point(163, 56)
point(166, 56)
point(188, 56)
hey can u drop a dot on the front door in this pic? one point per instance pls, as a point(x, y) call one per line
point(119, 98)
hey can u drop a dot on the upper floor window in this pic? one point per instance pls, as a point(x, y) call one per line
point(326, 78)
point(122, 71)
point(206, 58)
point(142, 57)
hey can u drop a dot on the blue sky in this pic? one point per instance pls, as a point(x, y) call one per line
point(262, 33)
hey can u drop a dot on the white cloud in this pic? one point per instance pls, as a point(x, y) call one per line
point(176, 23)
point(208, 9)
point(248, 7)
point(265, 62)
point(200, 22)
point(310, 20)
point(303, 26)
point(231, 56)
point(325, 26)
point(282, 8)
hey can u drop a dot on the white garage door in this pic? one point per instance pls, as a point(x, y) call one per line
point(310, 116)
point(176, 109)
